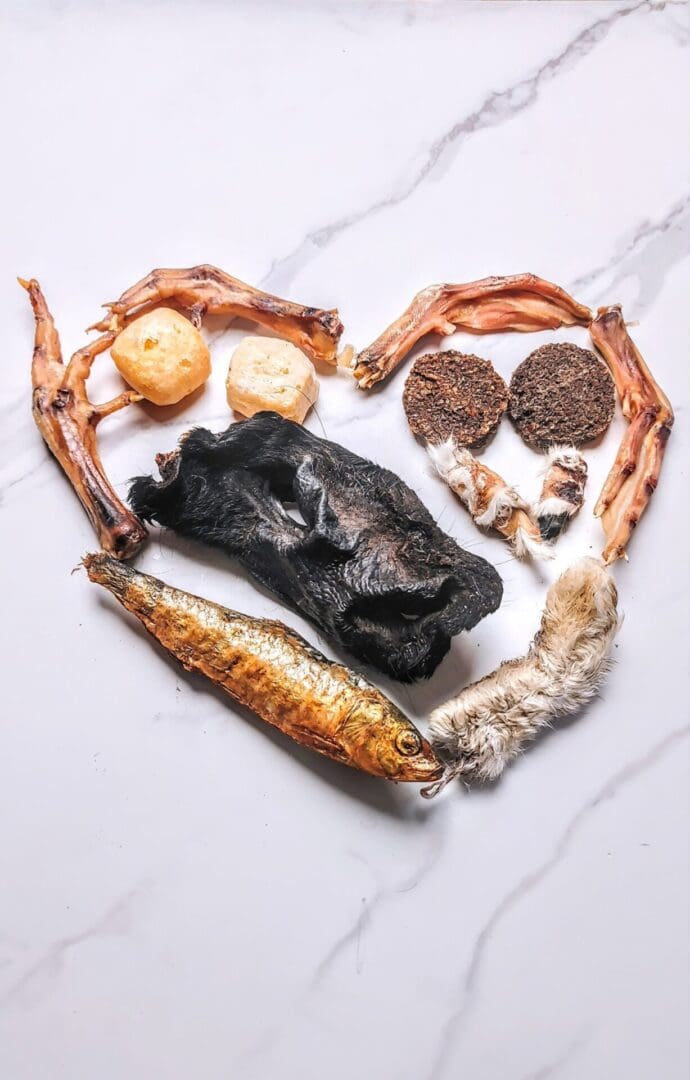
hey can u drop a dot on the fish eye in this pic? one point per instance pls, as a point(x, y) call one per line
point(408, 743)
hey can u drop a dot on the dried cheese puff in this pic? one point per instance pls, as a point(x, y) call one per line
point(163, 356)
point(266, 373)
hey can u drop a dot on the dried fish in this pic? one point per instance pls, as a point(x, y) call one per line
point(277, 674)
point(367, 564)
point(481, 730)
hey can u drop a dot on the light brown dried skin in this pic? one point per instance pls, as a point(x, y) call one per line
point(522, 302)
point(635, 472)
point(205, 290)
point(67, 421)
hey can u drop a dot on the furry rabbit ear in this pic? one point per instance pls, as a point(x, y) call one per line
point(368, 565)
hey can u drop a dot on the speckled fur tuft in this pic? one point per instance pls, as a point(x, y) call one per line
point(481, 730)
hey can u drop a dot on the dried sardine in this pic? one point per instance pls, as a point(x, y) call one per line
point(274, 672)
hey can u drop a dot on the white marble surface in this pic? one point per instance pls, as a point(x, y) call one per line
point(184, 893)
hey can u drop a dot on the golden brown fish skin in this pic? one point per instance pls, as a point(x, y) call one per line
point(274, 672)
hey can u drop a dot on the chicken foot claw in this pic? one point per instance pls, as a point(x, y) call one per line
point(635, 472)
point(67, 421)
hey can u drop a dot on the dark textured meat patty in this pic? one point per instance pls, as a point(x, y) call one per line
point(561, 395)
point(449, 393)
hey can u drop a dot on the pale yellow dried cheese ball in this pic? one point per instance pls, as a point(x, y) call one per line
point(163, 356)
point(266, 373)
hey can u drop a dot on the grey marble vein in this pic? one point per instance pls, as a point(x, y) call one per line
point(50, 964)
point(551, 1068)
point(499, 107)
point(648, 252)
point(351, 938)
point(531, 880)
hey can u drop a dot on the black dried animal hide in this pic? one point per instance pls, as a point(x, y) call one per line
point(370, 567)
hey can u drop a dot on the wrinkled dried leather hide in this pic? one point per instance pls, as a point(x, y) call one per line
point(370, 567)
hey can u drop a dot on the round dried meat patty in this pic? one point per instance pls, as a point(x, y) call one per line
point(561, 395)
point(451, 394)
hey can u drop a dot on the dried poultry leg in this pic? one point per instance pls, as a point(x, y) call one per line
point(67, 421)
point(519, 302)
point(491, 503)
point(635, 472)
point(207, 290)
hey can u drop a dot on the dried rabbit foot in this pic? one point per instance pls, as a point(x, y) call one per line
point(67, 421)
point(368, 565)
point(487, 724)
point(491, 503)
point(635, 472)
point(563, 491)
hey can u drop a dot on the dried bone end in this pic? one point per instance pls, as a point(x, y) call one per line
point(488, 724)
point(563, 491)
point(635, 472)
point(207, 290)
point(491, 502)
point(522, 302)
point(67, 421)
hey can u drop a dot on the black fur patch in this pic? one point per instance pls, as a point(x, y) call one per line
point(370, 568)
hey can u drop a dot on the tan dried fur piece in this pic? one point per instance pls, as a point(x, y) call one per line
point(205, 290)
point(481, 730)
point(635, 472)
point(67, 421)
point(490, 501)
point(563, 491)
point(519, 302)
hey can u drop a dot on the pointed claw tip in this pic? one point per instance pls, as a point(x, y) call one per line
point(25, 283)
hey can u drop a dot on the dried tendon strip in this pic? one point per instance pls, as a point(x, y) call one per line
point(635, 472)
point(520, 302)
point(67, 421)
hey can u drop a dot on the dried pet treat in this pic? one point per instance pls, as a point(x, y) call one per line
point(269, 374)
point(492, 504)
point(450, 395)
point(635, 472)
point(481, 730)
point(205, 290)
point(561, 395)
point(563, 491)
point(520, 302)
point(163, 356)
point(369, 567)
point(67, 421)
point(273, 671)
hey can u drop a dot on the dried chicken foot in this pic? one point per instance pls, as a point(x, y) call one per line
point(519, 302)
point(491, 503)
point(67, 421)
point(563, 491)
point(486, 726)
point(207, 290)
point(635, 472)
